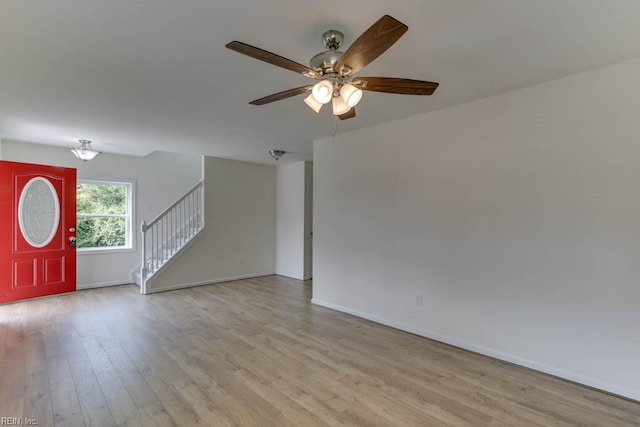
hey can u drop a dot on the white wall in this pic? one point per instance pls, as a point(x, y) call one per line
point(239, 238)
point(515, 217)
point(292, 220)
point(160, 179)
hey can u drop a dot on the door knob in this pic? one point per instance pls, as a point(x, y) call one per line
point(72, 230)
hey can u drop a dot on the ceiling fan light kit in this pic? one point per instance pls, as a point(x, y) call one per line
point(323, 91)
point(335, 70)
point(339, 106)
point(350, 94)
point(313, 103)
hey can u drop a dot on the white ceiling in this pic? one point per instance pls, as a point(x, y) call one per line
point(137, 76)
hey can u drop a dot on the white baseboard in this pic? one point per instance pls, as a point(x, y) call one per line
point(626, 392)
point(208, 282)
point(290, 276)
point(103, 284)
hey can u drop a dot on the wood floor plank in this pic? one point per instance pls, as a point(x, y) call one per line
point(202, 403)
point(155, 415)
point(93, 404)
point(65, 404)
point(171, 400)
point(37, 398)
point(123, 410)
point(255, 352)
point(293, 413)
point(13, 379)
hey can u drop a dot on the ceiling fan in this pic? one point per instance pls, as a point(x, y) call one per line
point(335, 70)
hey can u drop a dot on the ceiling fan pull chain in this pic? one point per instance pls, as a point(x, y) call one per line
point(335, 127)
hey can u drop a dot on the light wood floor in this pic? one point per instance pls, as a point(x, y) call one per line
point(256, 353)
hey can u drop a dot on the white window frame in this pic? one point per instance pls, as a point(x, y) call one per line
point(129, 218)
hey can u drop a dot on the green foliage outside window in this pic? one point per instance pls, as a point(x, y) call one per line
point(101, 215)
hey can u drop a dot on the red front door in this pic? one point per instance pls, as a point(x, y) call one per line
point(37, 230)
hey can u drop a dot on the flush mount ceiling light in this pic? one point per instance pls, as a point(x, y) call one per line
point(277, 154)
point(336, 70)
point(84, 152)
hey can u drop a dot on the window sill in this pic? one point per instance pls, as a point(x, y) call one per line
point(103, 251)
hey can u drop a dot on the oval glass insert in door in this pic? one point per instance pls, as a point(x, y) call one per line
point(38, 212)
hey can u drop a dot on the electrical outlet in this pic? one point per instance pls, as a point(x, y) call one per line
point(241, 261)
point(419, 300)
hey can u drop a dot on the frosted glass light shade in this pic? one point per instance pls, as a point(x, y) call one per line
point(84, 152)
point(312, 103)
point(350, 94)
point(322, 91)
point(339, 106)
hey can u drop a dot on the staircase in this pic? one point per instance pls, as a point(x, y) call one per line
point(170, 234)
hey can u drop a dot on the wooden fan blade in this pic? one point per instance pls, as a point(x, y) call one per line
point(281, 95)
point(371, 44)
point(271, 58)
point(395, 85)
point(348, 115)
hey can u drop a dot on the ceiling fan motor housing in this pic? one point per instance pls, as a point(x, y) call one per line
point(332, 39)
point(325, 61)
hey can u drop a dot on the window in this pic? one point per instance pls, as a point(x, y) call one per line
point(104, 215)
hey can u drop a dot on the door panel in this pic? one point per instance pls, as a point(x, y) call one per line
point(37, 210)
point(24, 273)
point(54, 271)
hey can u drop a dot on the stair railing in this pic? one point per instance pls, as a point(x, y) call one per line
point(169, 232)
